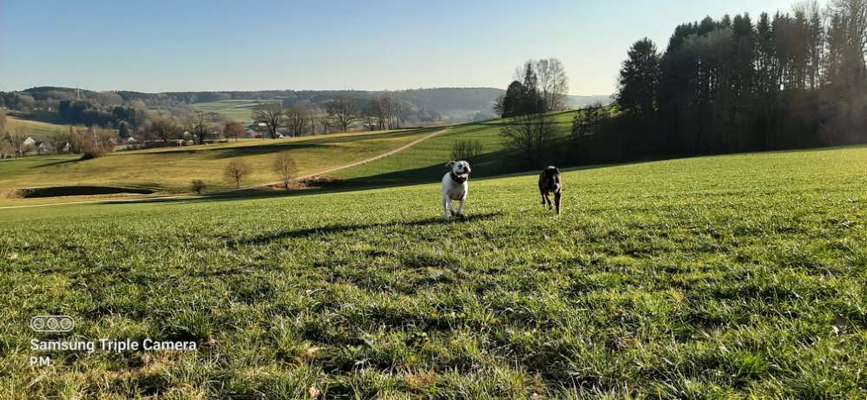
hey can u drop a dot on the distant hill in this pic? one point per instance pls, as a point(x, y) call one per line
point(448, 105)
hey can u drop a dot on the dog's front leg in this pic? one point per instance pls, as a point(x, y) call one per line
point(447, 207)
point(557, 201)
point(461, 209)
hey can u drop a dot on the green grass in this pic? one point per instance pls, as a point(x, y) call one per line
point(234, 110)
point(35, 129)
point(425, 161)
point(722, 277)
point(172, 169)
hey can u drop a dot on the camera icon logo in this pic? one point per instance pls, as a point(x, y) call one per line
point(51, 323)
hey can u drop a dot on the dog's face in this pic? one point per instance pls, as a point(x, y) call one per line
point(552, 173)
point(461, 169)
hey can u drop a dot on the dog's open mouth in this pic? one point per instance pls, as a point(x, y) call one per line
point(464, 175)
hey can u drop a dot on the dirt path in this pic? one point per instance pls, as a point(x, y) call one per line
point(365, 161)
point(319, 173)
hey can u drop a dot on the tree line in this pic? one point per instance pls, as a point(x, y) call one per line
point(781, 81)
point(339, 114)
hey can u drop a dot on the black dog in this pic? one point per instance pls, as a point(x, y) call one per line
point(549, 182)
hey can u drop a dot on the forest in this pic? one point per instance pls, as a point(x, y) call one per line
point(781, 81)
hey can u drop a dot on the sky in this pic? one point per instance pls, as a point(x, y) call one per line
point(191, 45)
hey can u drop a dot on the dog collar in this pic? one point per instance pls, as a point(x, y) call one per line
point(457, 178)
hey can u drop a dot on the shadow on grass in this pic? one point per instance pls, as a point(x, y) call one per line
point(484, 166)
point(334, 229)
point(62, 162)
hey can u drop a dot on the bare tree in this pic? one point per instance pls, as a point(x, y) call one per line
point(164, 129)
point(2, 122)
point(237, 170)
point(325, 123)
point(589, 120)
point(296, 119)
point(344, 111)
point(530, 136)
point(270, 114)
point(466, 149)
point(233, 129)
point(553, 84)
point(6, 150)
point(285, 166)
point(16, 142)
point(198, 125)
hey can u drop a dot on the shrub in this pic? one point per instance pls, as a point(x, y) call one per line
point(467, 149)
point(198, 185)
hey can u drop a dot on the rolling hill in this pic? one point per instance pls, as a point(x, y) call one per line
point(171, 169)
point(35, 129)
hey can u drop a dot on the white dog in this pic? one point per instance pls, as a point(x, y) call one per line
point(456, 188)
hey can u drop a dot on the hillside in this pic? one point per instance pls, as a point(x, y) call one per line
point(172, 169)
point(425, 162)
point(724, 277)
point(35, 129)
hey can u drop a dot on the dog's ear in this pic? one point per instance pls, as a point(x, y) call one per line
point(451, 164)
point(557, 171)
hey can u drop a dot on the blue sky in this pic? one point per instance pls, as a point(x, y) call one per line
point(339, 44)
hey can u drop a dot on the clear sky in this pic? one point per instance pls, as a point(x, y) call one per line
point(178, 45)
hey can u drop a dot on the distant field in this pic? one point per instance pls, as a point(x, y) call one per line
point(718, 277)
point(36, 129)
point(235, 110)
point(172, 169)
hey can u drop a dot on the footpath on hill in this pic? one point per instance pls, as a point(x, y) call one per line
point(361, 162)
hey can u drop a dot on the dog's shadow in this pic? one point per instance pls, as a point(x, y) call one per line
point(335, 229)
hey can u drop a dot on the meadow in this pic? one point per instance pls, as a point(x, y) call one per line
point(35, 129)
point(233, 110)
point(720, 277)
point(170, 169)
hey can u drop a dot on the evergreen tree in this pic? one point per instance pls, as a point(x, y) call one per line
point(639, 79)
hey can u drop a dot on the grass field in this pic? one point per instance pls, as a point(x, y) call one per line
point(722, 277)
point(36, 129)
point(172, 169)
point(234, 110)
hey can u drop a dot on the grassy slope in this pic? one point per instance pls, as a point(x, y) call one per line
point(425, 162)
point(693, 278)
point(172, 168)
point(36, 129)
